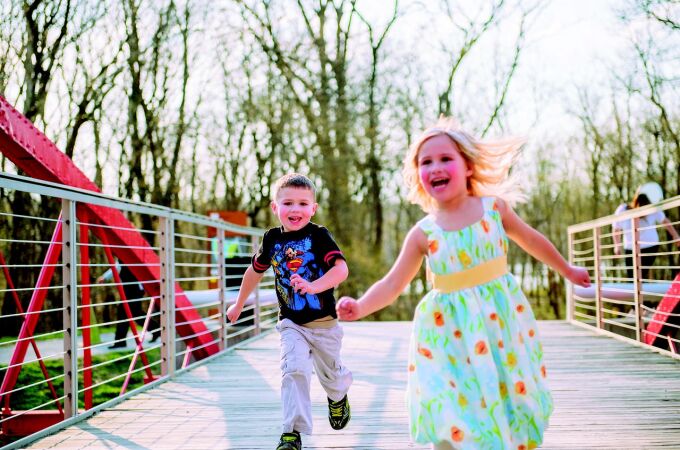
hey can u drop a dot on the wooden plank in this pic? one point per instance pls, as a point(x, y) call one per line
point(607, 395)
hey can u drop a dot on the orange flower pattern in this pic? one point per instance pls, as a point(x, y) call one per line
point(475, 353)
point(457, 434)
point(425, 352)
point(481, 348)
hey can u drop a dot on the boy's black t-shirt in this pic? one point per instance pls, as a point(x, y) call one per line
point(309, 252)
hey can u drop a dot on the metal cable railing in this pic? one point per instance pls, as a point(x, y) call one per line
point(102, 309)
point(635, 293)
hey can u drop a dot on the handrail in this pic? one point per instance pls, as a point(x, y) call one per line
point(188, 274)
point(35, 186)
point(635, 295)
point(664, 205)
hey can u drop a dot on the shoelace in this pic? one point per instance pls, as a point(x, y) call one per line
point(291, 438)
point(336, 411)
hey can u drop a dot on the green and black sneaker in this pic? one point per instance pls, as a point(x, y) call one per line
point(338, 413)
point(290, 441)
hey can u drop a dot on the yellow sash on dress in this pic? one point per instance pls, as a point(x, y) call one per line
point(474, 276)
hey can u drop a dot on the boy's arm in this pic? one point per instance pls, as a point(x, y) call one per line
point(248, 284)
point(336, 275)
point(538, 246)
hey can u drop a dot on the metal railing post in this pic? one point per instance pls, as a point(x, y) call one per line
point(570, 287)
point(637, 277)
point(256, 311)
point(598, 277)
point(222, 280)
point(167, 257)
point(70, 302)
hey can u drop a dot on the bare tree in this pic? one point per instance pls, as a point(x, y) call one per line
point(663, 11)
point(156, 128)
point(471, 30)
point(315, 66)
point(374, 152)
point(49, 26)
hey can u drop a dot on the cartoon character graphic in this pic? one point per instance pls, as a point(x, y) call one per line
point(296, 257)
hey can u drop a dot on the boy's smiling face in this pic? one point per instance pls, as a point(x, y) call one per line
point(294, 207)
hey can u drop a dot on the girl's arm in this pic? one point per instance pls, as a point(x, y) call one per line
point(386, 291)
point(249, 282)
point(336, 275)
point(538, 246)
point(671, 230)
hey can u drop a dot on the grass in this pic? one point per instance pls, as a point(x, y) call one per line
point(94, 333)
point(40, 394)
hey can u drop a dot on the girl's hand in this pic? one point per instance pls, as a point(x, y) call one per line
point(301, 285)
point(233, 313)
point(347, 308)
point(579, 276)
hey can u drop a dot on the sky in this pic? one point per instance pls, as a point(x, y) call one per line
point(571, 43)
point(575, 43)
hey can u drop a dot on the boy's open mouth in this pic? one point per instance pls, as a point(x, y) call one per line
point(295, 220)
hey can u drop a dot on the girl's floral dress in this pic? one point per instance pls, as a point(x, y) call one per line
point(476, 374)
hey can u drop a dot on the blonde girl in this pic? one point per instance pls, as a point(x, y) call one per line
point(476, 378)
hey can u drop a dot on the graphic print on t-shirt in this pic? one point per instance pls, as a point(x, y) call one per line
point(296, 257)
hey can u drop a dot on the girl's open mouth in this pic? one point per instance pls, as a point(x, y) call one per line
point(439, 183)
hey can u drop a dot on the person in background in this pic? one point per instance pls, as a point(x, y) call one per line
point(648, 235)
point(133, 292)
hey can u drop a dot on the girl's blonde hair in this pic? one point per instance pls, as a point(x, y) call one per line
point(490, 162)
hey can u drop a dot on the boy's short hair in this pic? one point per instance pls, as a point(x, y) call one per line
point(294, 180)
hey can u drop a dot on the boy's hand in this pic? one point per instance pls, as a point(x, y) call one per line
point(301, 285)
point(579, 276)
point(233, 313)
point(347, 308)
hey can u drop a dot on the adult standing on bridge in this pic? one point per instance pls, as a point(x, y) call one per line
point(648, 238)
point(308, 265)
point(134, 294)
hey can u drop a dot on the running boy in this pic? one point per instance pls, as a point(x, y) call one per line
point(307, 265)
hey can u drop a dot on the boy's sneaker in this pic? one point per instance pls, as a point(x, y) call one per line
point(338, 413)
point(290, 441)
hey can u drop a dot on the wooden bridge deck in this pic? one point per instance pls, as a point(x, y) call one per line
point(608, 395)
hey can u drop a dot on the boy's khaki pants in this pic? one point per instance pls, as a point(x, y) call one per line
point(302, 348)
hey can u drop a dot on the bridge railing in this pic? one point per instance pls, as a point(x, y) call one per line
point(635, 292)
point(70, 279)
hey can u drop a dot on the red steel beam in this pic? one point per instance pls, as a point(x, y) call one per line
point(31, 151)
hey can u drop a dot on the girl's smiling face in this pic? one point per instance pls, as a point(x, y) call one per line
point(294, 207)
point(442, 169)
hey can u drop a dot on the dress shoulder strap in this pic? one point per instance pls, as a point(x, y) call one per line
point(489, 203)
point(427, 224)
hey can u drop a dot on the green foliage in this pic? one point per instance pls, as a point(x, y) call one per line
point(40, 394)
